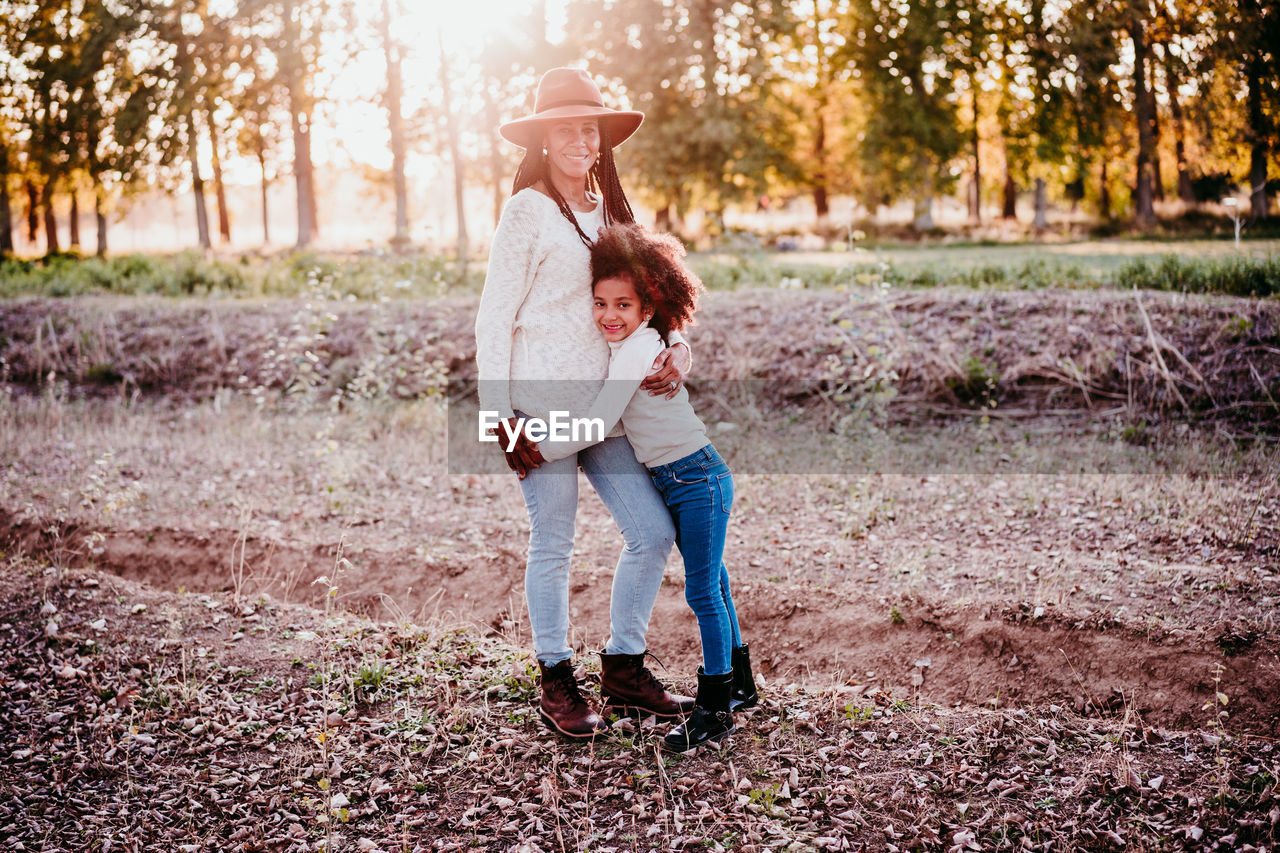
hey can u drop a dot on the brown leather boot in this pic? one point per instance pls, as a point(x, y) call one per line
point(563, 707)
point(630, 689)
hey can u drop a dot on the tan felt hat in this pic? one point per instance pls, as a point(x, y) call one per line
point(569, 93)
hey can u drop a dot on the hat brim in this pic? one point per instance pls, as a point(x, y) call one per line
point(527, 132)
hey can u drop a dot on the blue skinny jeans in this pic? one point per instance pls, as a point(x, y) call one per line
point(698, 490)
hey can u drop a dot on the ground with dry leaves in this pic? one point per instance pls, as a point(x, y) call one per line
point(137, 719)
point(1011, 581)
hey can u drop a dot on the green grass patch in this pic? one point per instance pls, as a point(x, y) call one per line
point(370, 277)
point(1189, 266)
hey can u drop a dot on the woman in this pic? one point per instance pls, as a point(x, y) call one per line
point(538, 351)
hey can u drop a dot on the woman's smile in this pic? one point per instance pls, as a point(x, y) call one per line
point(573, 147)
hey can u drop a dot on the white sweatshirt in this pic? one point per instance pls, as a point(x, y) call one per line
point(535, 321)
point(660, 430)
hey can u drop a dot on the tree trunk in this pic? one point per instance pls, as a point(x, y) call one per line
point(1185, 192)
point(395, 120)
point(821, 202)
point(1157, 181)
point(1042, 206)
point(1104, 192)
point(924, 200)
point(1143, 104)
point(6, 210)
point(303, 176)
point(50, 218)
point(975, 192)
point(1257, 135)
point(219, 188)
point(1010, 208)
point(496, 171)
point(33, 212)
point(75, 219)
point(6, 218)
point(197, 183)
point(100, 217)
point(300, 119)
point(261, 151)
point(459, 171)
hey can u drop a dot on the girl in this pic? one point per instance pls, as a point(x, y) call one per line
point(642, 293)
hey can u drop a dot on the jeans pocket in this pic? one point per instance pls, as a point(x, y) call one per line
point(690, 475)
point(724, 492)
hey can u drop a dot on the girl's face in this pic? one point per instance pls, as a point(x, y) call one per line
point(573, 146)
point(617, 309)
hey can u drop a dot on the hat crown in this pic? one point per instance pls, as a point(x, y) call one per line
point(566, 87)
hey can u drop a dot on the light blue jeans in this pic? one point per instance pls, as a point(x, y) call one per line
point(551, 496)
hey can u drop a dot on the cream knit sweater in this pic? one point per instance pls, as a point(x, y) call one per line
point(537, 347)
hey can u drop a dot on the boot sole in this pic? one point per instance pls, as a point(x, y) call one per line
point(551, 724)
point(636, 712)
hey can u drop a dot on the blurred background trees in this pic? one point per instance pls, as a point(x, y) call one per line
point(1110, 106)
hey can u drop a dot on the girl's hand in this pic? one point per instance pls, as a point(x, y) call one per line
point(524, 455)
point(672, 366)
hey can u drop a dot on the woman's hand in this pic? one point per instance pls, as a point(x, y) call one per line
point(672, 366)
point(524, 455)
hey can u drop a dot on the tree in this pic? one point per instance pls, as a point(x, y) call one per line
point(702, 72)
point(391, 98)
point(256, 109)
point(299, 46)
point(1144, 110)
point(1258, 38)
point(912, 131)
point(452, 133)
point(6, 208)
point(505, 72)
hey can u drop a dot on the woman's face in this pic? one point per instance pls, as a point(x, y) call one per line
point(617, 309)
point(573, 146)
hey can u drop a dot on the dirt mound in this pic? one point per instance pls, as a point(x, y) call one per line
point(910, 353)
point(921, 650)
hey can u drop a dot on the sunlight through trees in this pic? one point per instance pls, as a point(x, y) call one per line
point(1113, 106)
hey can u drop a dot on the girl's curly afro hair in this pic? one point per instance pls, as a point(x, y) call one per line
point(653, 263)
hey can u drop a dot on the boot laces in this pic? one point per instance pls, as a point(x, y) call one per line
point(644, 672)
point(568, 684)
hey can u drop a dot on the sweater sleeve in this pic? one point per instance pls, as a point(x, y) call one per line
point(628, 366)
point(506, 286)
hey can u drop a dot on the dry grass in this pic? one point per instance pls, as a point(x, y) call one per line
point(184, 722)
point(1176, 549)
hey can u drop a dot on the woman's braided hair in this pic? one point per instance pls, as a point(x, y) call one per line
point(653, 263)
point(603, 178)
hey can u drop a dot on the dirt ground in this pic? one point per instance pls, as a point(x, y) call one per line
point(142, 719)
point(1127, 567)
point(1014, 553)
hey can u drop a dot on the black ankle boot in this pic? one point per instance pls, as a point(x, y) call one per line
point(711, 718)
point(744, 693)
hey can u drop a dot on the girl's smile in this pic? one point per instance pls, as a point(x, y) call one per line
point(616, 308)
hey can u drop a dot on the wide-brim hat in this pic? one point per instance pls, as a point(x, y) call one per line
point(565, 93)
